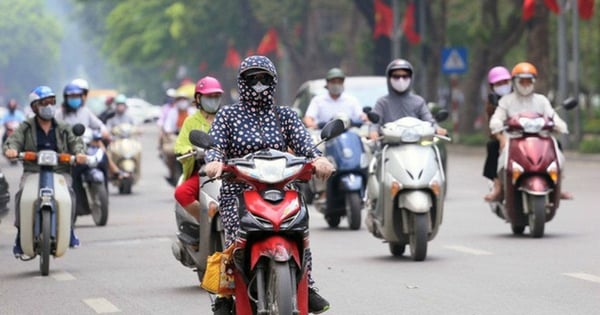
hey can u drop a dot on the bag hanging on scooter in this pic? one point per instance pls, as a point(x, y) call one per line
point(218, 278)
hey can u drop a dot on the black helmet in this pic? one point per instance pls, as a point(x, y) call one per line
point(399, 64)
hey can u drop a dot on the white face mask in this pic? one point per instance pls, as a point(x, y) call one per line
point(502, 90)
point(210, 104)
point(400, 84)
point(524, 90)
point(336, 89)
point(259, 87)
point(182, 104)
point(46, 112)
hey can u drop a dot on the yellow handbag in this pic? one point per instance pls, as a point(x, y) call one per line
point(218, 278)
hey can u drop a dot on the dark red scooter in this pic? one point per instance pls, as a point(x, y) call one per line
point(270, 268)
point(531, 178)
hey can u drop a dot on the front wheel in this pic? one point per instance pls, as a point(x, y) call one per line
point(45, 242)
point(537, 215)
point(333, 220)
point(280, 293)
point(99, 203)
point(418, 237)
point(353, 209)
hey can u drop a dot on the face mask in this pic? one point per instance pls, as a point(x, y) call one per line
point(183, 104)
point(74, 102)
point(46, 112)
point(400, 84)
point(524, 90)
point(336, 89)
point(210, 104)
point(259, 87)
point(502, 90)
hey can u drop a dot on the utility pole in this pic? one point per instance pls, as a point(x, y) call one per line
point(575, 68)
point(396, 32)
point(562, 64)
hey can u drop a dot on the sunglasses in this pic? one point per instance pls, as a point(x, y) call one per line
point(263, 78)
point(399, 76)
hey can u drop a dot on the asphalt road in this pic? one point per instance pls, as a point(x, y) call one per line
point(474, 266)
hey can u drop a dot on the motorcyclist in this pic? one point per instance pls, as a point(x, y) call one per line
point(235, 132)
point(323, 108)
point(121, 116)
point(522, 99)
point(499, 82)
point(400, 101)
point(108, 111)
point(207, 98)
point(13, 116)
point(172, 125)
point(43, 132)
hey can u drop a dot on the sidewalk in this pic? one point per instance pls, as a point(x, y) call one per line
point(480, 151)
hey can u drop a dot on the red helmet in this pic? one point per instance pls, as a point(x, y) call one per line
point(208, 85)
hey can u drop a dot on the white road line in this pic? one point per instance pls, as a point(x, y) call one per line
point(101, 306)
point(583, 276)
point(63, 276)
point(467, 250)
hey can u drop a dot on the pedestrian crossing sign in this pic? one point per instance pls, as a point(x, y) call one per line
point(454, 60)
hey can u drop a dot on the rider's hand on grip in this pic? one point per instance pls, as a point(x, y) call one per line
point(323, 168)
point(81, 158)
point(11, 153)
point(213, 169)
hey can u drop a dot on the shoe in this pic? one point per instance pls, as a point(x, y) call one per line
point(74, 241)
point(316, 303)
point(222, 306)
point(565, 195)
point(494, 195)
point(17, 250)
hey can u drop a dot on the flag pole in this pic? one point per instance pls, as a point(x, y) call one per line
point(396, 31)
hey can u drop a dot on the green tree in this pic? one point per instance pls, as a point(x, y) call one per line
point(29, 46)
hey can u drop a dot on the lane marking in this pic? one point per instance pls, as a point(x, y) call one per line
point(133, 241)
point(467, 250)
point(101, 306)
point(63, 276)
point(583, 276)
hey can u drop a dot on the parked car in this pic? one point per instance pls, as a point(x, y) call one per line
point(367, 89)
point(142, 111)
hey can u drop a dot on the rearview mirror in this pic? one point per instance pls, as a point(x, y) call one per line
point(570, 103)
point(201, 139)
point(441, 115)
point(332, 129)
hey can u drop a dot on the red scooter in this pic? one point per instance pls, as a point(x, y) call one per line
point(531, 177)
point(270, 268)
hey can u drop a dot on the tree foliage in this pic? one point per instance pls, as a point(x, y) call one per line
point(29, 46)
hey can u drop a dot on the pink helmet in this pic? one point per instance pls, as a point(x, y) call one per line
point(498, 74)
point(208, 85)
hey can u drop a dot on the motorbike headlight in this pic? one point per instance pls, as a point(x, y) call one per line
point(517, 170)
point(410, 135)
point(532, 125)
point(47, 158)
point(270, 171)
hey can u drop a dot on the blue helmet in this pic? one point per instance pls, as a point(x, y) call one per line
point(39, 93)
point(72, 89)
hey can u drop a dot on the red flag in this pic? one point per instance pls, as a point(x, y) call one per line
point(268, 43)
point(552, 5)
point(528, 9)
point(408, 24)
point(384, 19)
point(586, 9)
point(232, 59)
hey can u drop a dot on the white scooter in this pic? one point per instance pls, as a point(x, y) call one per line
point(198, 240)
point(45, 207)
point(406, 187)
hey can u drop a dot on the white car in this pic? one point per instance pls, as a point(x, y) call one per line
point(142, 111)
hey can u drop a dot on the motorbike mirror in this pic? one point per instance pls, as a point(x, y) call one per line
point(78, 129)
point(570, 103)
point(332, 129)
point(374, 118)
point(201, 139)
point(367, 109)
point(441, 115)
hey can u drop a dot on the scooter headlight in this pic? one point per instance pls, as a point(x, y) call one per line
point(532, 125)
point(410, 135)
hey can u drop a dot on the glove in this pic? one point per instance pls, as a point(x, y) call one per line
point(213, 169)
point(323, 168)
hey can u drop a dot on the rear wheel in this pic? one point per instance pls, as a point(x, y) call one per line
point(353, 209)
point(333, 220)
point(537, 215)
point(280, 294)
point(517, 229)
point(125, 186)
point(45, 242)
point(99, 203)
point(418, 238)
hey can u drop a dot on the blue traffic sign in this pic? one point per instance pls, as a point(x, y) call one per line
point(454, 60)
